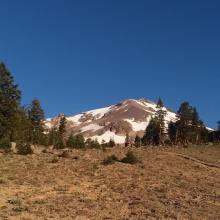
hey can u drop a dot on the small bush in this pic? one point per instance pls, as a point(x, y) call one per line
point(59, 144)
point(76, 141)
point(64, 154)
point(44, 151)
point(93, 144)
point(110, 159)
point(54, 160)
point(24, 149)
point(129, 158)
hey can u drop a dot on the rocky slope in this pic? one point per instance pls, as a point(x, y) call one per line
point(113, 122)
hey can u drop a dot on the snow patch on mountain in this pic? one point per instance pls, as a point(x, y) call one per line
point(99, 113)
point(75, 119)
point(138, 126)
point(109, 135)
point(92, 127)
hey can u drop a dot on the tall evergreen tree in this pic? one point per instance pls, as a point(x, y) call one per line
point(62, 126)
point(137, 141)
point(36, 116)
point(160, 119)
point(36, 113)
point(184, 122)
point(10, 97)
point(172, 132)
point(151, 136)
point(127, 140)
point(190, 129)
point(160, 103)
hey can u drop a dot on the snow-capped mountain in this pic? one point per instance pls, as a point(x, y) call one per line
point(113, 122)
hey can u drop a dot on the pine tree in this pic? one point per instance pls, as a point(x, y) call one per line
point(197, 128)
point(23, 132)
point(160, 103)
point(10, 97)
point(172, 132)
point(111, 142)
point(36, 116)
point(127, 140)
point(137, 141)
point(152, 133)
point(184, 123)
point(190, 128)
point(62, 125)
point(76, 141)
point(36, 113)
point(160, 119)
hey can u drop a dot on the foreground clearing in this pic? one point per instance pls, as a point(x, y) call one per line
point(168, 184)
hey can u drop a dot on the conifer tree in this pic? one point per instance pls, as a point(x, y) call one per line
point(36, 113)
point(160, 119)
point(137, 141)
point(111, 142)
point(23, 132)
point(36, 116)
point(184, 122)
point(62, 126)
point(10, 97)
point(197, 127)
point(160, 103)
point(76, 141)
point(127, 140)
point(151, 136)
point(172, 132)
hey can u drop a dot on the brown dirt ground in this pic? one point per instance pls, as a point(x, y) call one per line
point(163, 186)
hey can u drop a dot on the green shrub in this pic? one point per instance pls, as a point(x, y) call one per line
point(129, 158)
point(93, 144)
point(76, 141)
point(111, 143)
point(24, 149)
point(59, 144)
point(110, 159)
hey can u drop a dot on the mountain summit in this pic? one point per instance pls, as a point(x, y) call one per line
point(113, 122)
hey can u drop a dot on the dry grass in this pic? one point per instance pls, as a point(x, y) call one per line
point(163, 186)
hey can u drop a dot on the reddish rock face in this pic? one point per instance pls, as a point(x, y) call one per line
point(127, 117)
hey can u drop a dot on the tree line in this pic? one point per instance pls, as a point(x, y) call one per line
point(24, 125)
point(188, 128)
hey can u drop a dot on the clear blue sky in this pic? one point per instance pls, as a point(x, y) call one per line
point(79, 55)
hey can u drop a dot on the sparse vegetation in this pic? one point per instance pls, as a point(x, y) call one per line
point(110, 159)
point(129, 158)
point(46, 185)
point(54, 160)
point(24, 149)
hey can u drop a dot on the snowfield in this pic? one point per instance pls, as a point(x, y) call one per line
point(109, 135)
point(91, 127)
point(138, 126)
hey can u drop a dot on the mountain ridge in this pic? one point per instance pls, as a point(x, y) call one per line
point(130, 116)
